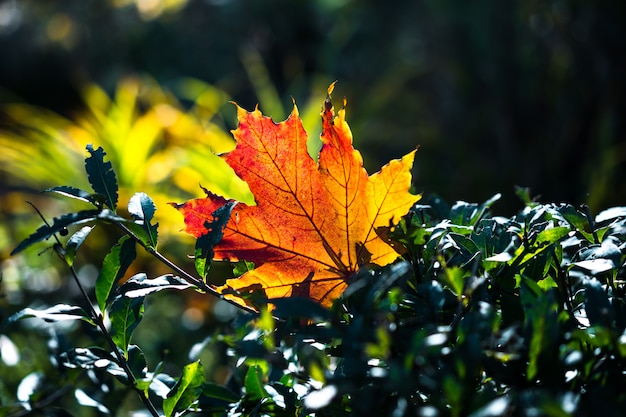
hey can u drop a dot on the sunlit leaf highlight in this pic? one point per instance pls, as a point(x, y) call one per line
point(315, 224)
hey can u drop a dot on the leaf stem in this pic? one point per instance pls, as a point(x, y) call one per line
point(98, 319)
point(181, 272)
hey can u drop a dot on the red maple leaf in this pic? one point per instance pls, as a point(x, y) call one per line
point(314, 223)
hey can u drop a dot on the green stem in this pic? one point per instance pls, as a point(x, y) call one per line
point(99, 321)
point(181, 272)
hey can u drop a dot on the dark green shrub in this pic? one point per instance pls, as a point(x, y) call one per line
point(485, 316)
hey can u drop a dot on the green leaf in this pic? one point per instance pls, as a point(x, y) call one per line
point(142, 208)
point(524, 194)
point(114, 266)
point(29, 387)
point(73, 192)
point(86, 400)
point(455, 279)
point(547, 283)
point(160, 383)
point(465, 248)
point(536, 267)
point(140, 285)
point(552, 235)
point(219, 392)
point(139, 367)
point(59, 312)
point(542, 242)
point(596, 266)
point(291, 307)
point(186, 391)
point(241, 267)
point(608, 250)
point(611, 214)
point(204, 244)
point(101, 176)
point(58, 224)
point(94, 358)
point(125, 315)
point(468, 214)
point(541, 310)
point(74, 242)
point(597, 305)
point(577, 219)
point(254, 383)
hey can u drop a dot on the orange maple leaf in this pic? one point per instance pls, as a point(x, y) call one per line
point(314, 223)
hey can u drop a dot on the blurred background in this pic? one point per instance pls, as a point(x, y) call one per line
point(498, 94)
point(528, 93)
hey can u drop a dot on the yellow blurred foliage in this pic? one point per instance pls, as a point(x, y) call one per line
point(155, 144)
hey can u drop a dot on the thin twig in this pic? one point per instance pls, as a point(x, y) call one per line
point(181, 272)
point(99, 321)
point(42, 403)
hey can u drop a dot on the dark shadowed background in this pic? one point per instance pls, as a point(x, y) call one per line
point(498, 94)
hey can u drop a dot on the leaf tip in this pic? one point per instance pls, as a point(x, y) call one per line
point(331, 88)
point(177, 206)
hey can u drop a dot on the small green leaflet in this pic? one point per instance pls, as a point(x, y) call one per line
point(114, 266)
point(101, 176)
point(59, 312)
point(125, 314)
point(73, 192)
point(142, 208)
point(86, 400)
point(541, 320)
point(204, 244)
point(137, 363)
point(186, 391)
point(140, 285)
point(58, 224)
point(254, 383)
point(74, 242)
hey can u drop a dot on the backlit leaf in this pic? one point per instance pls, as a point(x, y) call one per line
point(114, 266)
point(187, 389)
point(142, 208)
point(101, 176)
point(314, 224)
point(254, 383)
